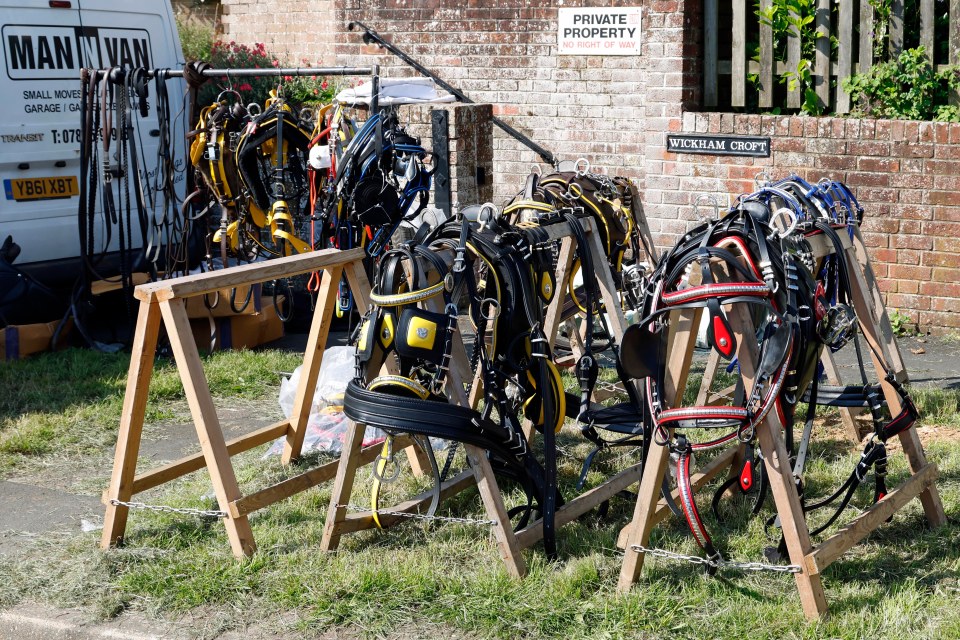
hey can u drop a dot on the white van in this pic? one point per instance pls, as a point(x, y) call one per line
point(45, 45)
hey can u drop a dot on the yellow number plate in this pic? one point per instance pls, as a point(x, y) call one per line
point(41, 188)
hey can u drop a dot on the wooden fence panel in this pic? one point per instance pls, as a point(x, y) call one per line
point(711, 28)
point(793, 59)
point(954, 43)
point(866, 36)
point(738, 62)
point(845, 53)
point(821, 65)
point(766, 59)
point(926, 28)
point(896, 29)
point(855, 51)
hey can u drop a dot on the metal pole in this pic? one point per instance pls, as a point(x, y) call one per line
point(369, 35)
point(117, 73)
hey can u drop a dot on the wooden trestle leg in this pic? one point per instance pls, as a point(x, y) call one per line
point(131, 422)
point(205, 419)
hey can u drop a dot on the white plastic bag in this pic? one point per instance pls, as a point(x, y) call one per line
point(327, 425)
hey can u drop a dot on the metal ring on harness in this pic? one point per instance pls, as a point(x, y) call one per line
point(433, 221)
point(790, 218)
point(706, 197)
point(586, 167)
point(536, 170)
point(485, 221)
point(229, 91)
point(379, 469)
point(496, 309)
point(254, 109)
point(306, 115)
point(761, 179)
point(570, 195)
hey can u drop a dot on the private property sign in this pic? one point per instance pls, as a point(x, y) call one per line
point(604, 32)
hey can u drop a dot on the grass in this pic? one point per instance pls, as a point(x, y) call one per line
point(433, 580)
point(68, 404)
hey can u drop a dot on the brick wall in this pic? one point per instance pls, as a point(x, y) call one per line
point(905, 174)
point(189, 12)
point(495, 52)
point(469, 127)
point(296, 31)
point(617, 111)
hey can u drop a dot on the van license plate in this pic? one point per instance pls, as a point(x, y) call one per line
point(41, 188)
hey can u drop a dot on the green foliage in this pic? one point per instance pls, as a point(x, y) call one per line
point(901, 324)
point(791, 18)
point(307, 89)
point(196, 40)
point(232, 55)
point(909, 88)
point(802, 79)
point(881, 26)
point(795, 18)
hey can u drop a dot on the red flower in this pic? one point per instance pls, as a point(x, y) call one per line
point(245, 87)
point(324, 85)
point(276, 63)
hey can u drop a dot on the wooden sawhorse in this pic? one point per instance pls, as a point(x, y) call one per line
point(164, 301)
point(509, 542)
point(810, 559)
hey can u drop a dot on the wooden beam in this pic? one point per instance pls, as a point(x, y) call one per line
point(188, 464)
point(100, 287)
point(362, 521)
point(709, 373)
point(205, 419)
point(895, 43)
point(246, 274)
point(793, 59)
point(836, 545)
point(953, 44)
point(312, 359)
point(335, 525)
point(291, 486)
point(680, 345)
point(927, 27)
point(779, 470)
point(715, 467)
point(580, 505)
point(847, 414)
point(865, 59)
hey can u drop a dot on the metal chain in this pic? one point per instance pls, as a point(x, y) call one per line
point(717, 563)
point(418, 516)
point(161, 508)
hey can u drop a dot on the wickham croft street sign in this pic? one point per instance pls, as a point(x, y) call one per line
point(718, 145)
